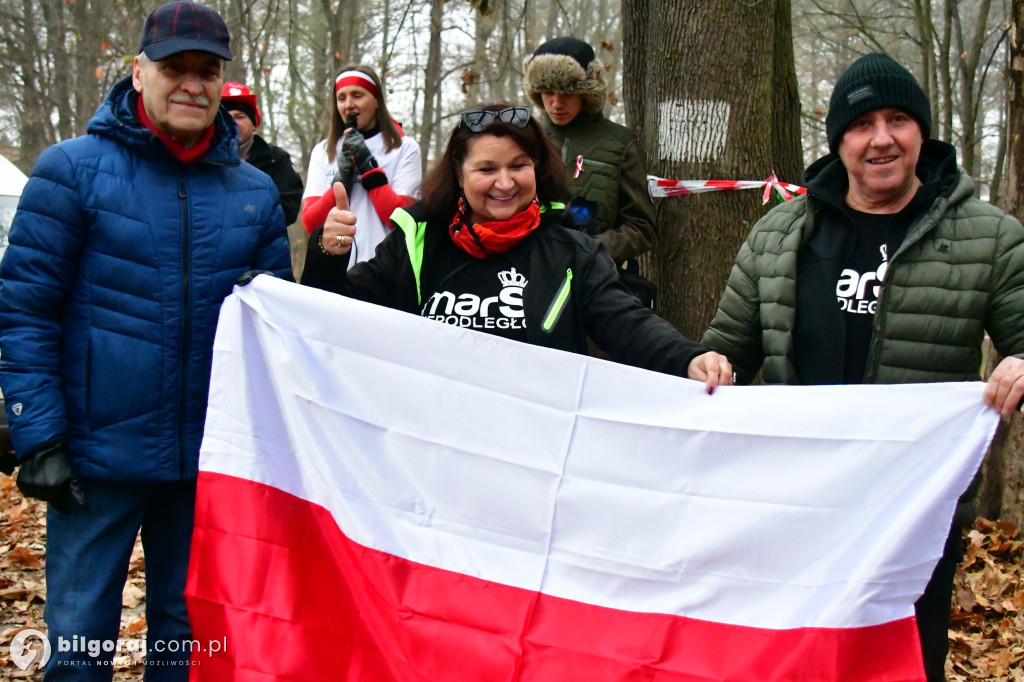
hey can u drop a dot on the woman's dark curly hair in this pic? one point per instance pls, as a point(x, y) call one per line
point(440, 189)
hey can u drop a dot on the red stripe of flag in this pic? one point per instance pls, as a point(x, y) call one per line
point(294, 599)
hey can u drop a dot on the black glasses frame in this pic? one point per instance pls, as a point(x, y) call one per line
point(478, 119)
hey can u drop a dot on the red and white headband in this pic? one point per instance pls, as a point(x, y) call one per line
point(346, 78)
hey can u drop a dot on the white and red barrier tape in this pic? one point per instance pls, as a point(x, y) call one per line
point(659, 187)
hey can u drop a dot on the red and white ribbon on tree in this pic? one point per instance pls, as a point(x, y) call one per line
point(659, 187)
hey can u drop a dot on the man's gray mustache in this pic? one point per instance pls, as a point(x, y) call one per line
point(199, 100)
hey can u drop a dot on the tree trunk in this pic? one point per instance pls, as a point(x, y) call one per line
point(945, 118)
point(34, 114)
point(1013, 193)
point(1002, 491)
point(91, 26)
point(968, 63)
point(53, 16)
point(504, 88)
point(1002, 488)
point(926, 33)
point(734, 117)
point(479, 72)
point(996, 194)
point(432, 81)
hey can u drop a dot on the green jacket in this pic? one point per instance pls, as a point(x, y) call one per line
point(614, 176)
point(958, 273)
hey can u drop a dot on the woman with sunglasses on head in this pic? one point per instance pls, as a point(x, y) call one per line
point(367, 152)
point(485, 249)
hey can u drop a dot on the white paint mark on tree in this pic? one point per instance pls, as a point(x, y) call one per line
point(692, 130)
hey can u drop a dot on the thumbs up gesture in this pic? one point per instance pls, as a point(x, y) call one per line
point(340, 225)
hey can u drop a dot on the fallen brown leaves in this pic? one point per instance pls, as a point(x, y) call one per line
point(23, 584)
point(987, 629)
point(986, 633)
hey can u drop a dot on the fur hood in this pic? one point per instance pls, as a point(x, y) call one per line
point(562, 73)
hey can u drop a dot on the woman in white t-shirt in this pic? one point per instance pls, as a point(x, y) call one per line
point(368, 152)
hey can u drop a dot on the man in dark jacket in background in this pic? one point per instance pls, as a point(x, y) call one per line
point(272, 160)
point(124, 246)
point(888, 271)
point(605, 163)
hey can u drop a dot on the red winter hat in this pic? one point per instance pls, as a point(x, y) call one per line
point(237, 96)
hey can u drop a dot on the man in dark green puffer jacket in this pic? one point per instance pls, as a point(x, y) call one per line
point(605, 163)
point(887, 271)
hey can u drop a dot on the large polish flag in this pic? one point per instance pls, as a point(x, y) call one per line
point(383, 497)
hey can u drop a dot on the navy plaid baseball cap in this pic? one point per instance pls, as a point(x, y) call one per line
point(180, 26)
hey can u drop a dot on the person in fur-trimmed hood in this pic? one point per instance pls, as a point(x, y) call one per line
point(604, 161)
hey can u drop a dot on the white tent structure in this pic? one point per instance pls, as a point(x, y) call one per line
point(12, 181)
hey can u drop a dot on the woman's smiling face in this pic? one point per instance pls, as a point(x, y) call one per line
point(497, 178)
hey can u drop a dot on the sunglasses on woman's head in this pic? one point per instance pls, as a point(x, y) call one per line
point(479, 119)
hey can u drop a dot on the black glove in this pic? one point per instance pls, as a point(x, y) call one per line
point(8, 460)
point(355, 145)
point(346, 165)
point(250, 275)
point(49, 476)
point(346, 170)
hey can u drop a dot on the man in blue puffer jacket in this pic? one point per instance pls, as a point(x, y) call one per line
point(125, 244)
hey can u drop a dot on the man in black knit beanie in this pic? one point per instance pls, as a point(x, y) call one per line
point(887, 271)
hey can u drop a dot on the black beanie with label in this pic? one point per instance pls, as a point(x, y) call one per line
point(875, 81)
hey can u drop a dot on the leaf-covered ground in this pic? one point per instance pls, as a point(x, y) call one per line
point(987, 629)
point(23, 585)
point(986, 635)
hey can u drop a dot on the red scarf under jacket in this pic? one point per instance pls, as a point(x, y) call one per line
point(498, 236)
point(186, 155)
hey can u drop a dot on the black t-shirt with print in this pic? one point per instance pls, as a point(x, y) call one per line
point(876, 237)
point(484, 294)
point(835, 309)
point(859, 284)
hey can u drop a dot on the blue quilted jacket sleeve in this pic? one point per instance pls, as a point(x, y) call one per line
point(36, 276)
